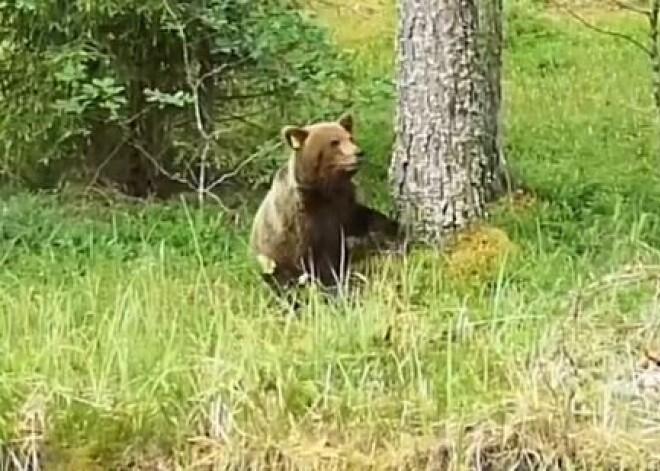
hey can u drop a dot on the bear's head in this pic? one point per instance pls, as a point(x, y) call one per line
point(324, 153)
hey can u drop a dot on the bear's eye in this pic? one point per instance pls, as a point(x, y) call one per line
point(334, 143)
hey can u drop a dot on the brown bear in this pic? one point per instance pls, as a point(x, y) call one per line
point(302, 226)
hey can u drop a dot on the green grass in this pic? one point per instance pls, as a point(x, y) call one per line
point(124, 326)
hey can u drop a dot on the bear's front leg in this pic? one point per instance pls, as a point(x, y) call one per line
point(367, 220)
point(328, 266)
point(280, 280)
point(285, 292)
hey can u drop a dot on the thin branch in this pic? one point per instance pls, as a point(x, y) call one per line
point(194, 86)
point(355, 8)
point(105, 162)
point(249, 96)
point(627, 6)
point(116, 149)
point(276, 144)
point(654, 41)
point(137, 115)
point(244, 118)
point(614, 34)
point(176, 178)
point(215, 71)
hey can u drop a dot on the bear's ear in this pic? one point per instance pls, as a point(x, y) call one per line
point(346, 122)
point(294, 136)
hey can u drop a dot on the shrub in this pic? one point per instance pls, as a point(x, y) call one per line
point(108, 88)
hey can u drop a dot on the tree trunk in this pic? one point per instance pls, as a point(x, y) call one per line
point(490, 37)
point(447, 161)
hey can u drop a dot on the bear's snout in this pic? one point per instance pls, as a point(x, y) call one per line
point(351, 167)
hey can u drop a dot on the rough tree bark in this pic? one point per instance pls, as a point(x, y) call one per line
point(447, 162)
point(490, 49)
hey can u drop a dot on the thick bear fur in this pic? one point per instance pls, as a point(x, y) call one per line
point(301, 227)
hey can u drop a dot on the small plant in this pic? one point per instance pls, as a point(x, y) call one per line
point(478, 252)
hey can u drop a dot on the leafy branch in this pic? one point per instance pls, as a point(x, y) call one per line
point(127, 89)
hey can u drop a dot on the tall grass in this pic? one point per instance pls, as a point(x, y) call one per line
point(141, 334)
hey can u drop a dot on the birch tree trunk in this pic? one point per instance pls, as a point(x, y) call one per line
point(447, 162)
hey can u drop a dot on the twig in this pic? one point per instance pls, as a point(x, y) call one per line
point(208, 190)
point(173, 177)
point(240, 166)
point(195, 85)
point(158, 166)
point(607, 32)
point(626, 6)
point(218, 70)
point(654, 53)
point(115, 150)
point(629, 276)
point(355, 8)
point(105, 162)
point(652, 50)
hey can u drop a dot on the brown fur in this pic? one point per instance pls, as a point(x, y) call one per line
point(298, 228)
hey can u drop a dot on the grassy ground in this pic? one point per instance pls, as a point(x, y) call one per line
point(141, 335)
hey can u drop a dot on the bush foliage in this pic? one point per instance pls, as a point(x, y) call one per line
point(130, 91)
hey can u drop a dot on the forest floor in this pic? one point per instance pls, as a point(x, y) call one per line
point(139, 335)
